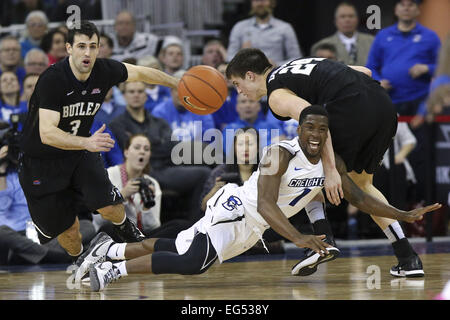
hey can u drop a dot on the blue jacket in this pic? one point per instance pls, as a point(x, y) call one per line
point(6, 110)
point(392, 55)
point(13, 204)
point(163, 94)
point(227, 113)
point(185, 124)
point(108, 111)
point(114, 156)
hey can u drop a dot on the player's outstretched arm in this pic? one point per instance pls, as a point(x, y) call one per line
point(150, 76)
point(272, 167)
point(372, 205)
point(55, 137)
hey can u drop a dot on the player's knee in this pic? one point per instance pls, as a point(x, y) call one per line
point(191, 266)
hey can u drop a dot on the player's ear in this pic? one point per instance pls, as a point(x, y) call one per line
point(68, 48)
point(250, 75)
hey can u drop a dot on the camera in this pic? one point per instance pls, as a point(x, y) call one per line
point(147, 195)
point(231, 177)
point(11, 138)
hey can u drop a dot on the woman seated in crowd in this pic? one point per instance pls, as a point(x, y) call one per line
point(141, 192)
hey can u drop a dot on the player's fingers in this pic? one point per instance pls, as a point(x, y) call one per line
point(329, 197)
point(102, 128)
point(341, 192)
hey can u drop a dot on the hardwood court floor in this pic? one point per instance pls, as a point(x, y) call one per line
point(342, 279)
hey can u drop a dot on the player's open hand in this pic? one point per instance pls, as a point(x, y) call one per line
point(99, 141)
point(333, 187)
point(417, 214)
point(313, 242)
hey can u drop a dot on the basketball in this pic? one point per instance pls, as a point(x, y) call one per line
point(202, 90)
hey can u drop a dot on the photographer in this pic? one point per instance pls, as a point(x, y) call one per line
point(141, 192)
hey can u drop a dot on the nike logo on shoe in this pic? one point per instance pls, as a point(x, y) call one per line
point(297, 169)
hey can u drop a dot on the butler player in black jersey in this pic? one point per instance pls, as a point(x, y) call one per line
point(61, 170)
point(362, 124)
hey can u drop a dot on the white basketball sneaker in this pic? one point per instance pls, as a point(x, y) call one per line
point(103, 274)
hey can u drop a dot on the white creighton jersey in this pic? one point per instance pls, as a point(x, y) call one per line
point(299, 184)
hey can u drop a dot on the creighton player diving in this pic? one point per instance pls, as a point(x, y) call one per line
point(289, 176)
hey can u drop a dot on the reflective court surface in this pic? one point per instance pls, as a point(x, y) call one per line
point(362, 272)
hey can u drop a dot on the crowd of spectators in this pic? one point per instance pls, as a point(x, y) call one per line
point(147, 122)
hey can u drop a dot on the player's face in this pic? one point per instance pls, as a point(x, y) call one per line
point(248, 86)
point(138, 154)
point(246, 148)
point(83, 52)
point(313, 133)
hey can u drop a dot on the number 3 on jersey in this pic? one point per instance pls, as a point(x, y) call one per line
point(299, 66)
point(75, 126)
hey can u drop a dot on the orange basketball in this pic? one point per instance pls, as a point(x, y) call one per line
point(202, 90)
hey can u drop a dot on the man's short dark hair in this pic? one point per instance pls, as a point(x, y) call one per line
point(249, 59)
point(326, 46)
point(314, 109)
point(86, 27)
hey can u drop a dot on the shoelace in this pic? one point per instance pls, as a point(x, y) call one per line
point(112, 275)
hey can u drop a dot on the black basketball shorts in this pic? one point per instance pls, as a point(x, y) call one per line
point(57, 190)
point(362, 127)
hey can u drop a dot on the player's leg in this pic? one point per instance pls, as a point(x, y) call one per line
point(409, 261)
point(70, 239)
point(315, 210)
point(91, 180)
point(197, 259)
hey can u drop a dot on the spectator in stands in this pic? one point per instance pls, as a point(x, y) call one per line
point(185, 180)
point(325, 50)
point(403, 58)
point(129, 43)
point(276, 38)
point(105, 51)
point(124, 176)
point(36, 27)
point(109, 109)
point(15, 246)
point(106, 46)
point(21, 9)
point(250, 115)
point(227, 113)
point(28, 86)
point(10, 57)
point(438, 101)
point(156, 94)
point(214, 53)
point(36, 61)
point(54, 45)
point(185, 124)
point(172, 55)
point(10, 96)
point(352, 47)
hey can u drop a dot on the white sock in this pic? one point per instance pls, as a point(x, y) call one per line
point(122, 268)
point(314, 210)
point(117, 251)
point(118, 224)
point(394, 232)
